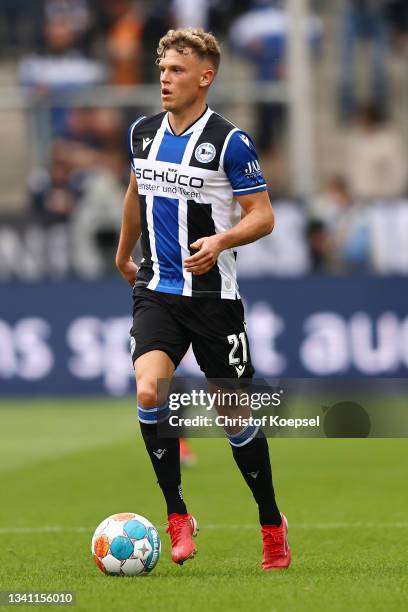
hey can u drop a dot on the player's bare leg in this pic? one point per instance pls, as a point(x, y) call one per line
point(164, 452)
point(149, 368)
point(250, 450)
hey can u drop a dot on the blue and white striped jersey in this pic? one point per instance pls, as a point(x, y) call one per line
point(187, 187)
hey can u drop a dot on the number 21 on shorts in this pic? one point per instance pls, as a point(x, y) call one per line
point(236, 340)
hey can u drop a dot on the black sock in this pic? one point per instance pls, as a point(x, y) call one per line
point(255, 466)
point(164, 454)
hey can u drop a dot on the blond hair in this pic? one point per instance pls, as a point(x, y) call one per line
point(204, 44)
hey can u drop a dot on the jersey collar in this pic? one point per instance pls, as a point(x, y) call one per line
point(197, 125)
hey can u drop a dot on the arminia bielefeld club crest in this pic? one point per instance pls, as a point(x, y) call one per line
point(205, 152)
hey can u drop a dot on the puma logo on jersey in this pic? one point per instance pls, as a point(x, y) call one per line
point(159, 453)
point(146, 142)
point(240, 370)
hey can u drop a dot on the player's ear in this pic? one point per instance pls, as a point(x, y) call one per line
point(207, 77)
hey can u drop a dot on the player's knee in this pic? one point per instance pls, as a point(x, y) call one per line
point(146, 394)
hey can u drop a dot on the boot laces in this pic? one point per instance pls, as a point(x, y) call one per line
point(273, 542)
point(175, 528)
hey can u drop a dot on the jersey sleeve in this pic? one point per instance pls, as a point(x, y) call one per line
point(241, 165)
point(130, 141)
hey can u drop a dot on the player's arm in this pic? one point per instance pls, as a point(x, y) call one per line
point(257, 220)
point(129, 233)
point(243, 171)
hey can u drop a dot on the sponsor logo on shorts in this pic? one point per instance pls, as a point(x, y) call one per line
point(240, 370)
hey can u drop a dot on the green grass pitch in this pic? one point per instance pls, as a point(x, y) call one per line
point(66, 465)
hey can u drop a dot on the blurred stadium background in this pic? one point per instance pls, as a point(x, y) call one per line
point(322, 87)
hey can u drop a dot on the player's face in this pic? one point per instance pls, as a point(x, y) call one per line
point(183, 78)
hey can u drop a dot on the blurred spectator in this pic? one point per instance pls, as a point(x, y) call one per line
point(97, 219)
point(223, 12)
point(96, 136)
point(376, 157)
point(16, 25)
point(331, 202)
point(53, 193)
point(338, 232)
point(80, 13)
point(124, 33)
point(190, 14)
point(388, 227)
point(157, 22)
point(397, 13)
point(100, 128)
point(260, 35)
point(282, 253)
point(320, 246)
point(61, 69)
point(62, 64)
point(362, 20)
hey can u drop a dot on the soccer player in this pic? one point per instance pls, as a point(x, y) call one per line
point(196, 192)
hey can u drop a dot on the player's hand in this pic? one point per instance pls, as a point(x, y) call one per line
point(208, 250)
point(129, 270)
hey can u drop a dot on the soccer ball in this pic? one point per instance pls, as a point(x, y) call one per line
point(126, 544)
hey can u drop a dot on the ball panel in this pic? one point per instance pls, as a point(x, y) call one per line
point(113, 529)
point(123, 516)
point(101, 527)
point(112, 565)
point(142, 549)
point(99, 564)
point(149, 565)
point(134, 529)
point(132, 567)
point(99, 531)
point(143, 520)
point(101, 546)
point(121, 547)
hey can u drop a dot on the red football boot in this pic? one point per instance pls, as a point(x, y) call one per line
point(276, 551)
point(182, 528)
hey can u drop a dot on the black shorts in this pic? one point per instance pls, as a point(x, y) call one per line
point(215, 328)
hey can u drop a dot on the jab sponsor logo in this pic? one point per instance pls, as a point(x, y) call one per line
point(252, 169)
